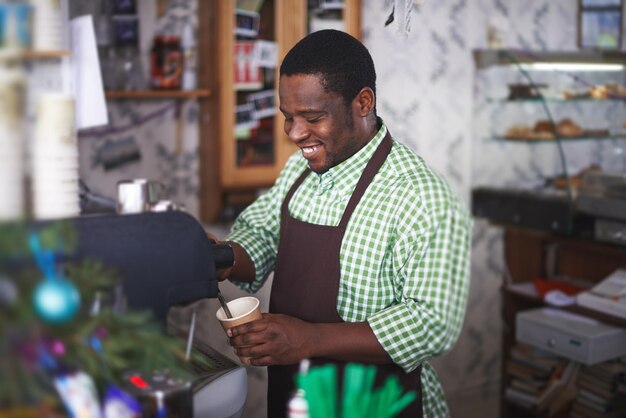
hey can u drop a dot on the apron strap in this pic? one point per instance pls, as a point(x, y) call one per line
point(284, 210)
point(374, 164)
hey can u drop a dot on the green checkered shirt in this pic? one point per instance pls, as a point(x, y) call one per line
point(404, 256)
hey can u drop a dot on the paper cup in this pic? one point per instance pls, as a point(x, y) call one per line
point(244, 310)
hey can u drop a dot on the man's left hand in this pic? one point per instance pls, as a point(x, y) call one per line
point(274, 339)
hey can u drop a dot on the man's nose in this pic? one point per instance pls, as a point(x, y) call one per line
point(298, 131)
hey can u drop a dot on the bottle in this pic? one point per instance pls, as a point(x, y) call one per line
point(166, 62)
point(298, 407)
point(188, 44)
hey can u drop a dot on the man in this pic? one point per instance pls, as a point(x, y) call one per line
point(369, 247)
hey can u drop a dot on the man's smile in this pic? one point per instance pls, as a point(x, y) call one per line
point(311, 151)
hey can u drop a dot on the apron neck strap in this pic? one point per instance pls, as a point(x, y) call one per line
point(372, 167)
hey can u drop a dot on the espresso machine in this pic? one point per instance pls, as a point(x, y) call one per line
point(166, 259)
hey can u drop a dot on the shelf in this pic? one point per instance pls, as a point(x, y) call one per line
point(44, 54)
point(485, 58)
point(516, 410)
point(557, 100)
point(158, 94)
point(534, 299)
point(562, 139)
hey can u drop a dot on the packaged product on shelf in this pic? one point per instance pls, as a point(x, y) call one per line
point(166, 62)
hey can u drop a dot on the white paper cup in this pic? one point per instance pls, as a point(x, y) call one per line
point(56, 181)
point(50, 212)
point(12, 202)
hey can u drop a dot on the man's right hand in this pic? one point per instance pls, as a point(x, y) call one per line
point(242, 269)
point(221, 273)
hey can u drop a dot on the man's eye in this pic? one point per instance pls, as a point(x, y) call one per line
point(313, 120)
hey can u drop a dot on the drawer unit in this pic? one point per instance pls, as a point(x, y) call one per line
point(569, 335)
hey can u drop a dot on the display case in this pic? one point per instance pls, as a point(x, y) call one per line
point(247, 146)
point(550, 130)
point(543, 121)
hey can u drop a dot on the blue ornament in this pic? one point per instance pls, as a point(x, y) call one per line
point(56, 301)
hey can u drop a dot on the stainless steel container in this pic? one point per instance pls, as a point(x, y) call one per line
point(137, 195)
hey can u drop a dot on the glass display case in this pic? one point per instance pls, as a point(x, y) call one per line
point(549, 166)
point(545, 122)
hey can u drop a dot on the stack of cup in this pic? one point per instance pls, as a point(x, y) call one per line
point(55, 158)
point(47, 25)
point(11, 144)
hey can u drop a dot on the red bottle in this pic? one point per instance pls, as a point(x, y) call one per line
point(166, 62)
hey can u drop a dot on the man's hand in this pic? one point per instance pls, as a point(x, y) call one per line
point(274, 339)
point(281, 339)
point(242, 269)
point(222, 273)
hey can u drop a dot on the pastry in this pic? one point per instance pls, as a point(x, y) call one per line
point(544, 125)
point(568, 128)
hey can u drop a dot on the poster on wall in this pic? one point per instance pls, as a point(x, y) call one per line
point(262, 104)
point(248, 74)
point(244, 117)
point(600, 24)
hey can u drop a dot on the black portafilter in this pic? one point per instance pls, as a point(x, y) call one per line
point(223, 255)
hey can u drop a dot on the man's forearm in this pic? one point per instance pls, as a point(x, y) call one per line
point(348, 342)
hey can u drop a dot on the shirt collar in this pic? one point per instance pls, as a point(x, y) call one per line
point(344, 176)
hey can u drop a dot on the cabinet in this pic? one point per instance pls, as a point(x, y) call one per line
point(530, 254)
point(542, 120)
point(236, 155)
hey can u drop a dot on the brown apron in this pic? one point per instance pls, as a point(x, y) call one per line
point(306, 284)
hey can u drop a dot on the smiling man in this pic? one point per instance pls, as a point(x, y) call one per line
point(369, 247)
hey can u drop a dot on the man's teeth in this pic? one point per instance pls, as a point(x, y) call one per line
point(309, 150)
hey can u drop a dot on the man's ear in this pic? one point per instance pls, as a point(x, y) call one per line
point(365, 101)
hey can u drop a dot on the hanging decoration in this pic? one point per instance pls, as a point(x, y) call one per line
point(56, 351)
point(56, 300)
point(401, 13)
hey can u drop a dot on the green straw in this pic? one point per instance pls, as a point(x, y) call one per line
point(359, 399)
point(402, 403)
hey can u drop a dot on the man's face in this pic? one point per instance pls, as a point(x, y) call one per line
point(318, 122)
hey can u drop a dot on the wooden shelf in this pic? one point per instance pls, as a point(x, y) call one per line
point(44, 54)
point(158, 94)
point(515, 410)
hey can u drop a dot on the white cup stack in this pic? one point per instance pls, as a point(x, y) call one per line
point(47, 25)
point(55, 158)
point(11, 145)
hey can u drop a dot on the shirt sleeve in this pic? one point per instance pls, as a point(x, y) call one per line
point(431, 261)
point(257, 228)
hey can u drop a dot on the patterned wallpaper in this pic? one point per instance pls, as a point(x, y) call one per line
point(432, 99)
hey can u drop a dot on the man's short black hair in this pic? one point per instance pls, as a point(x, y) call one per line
point(342, 61)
